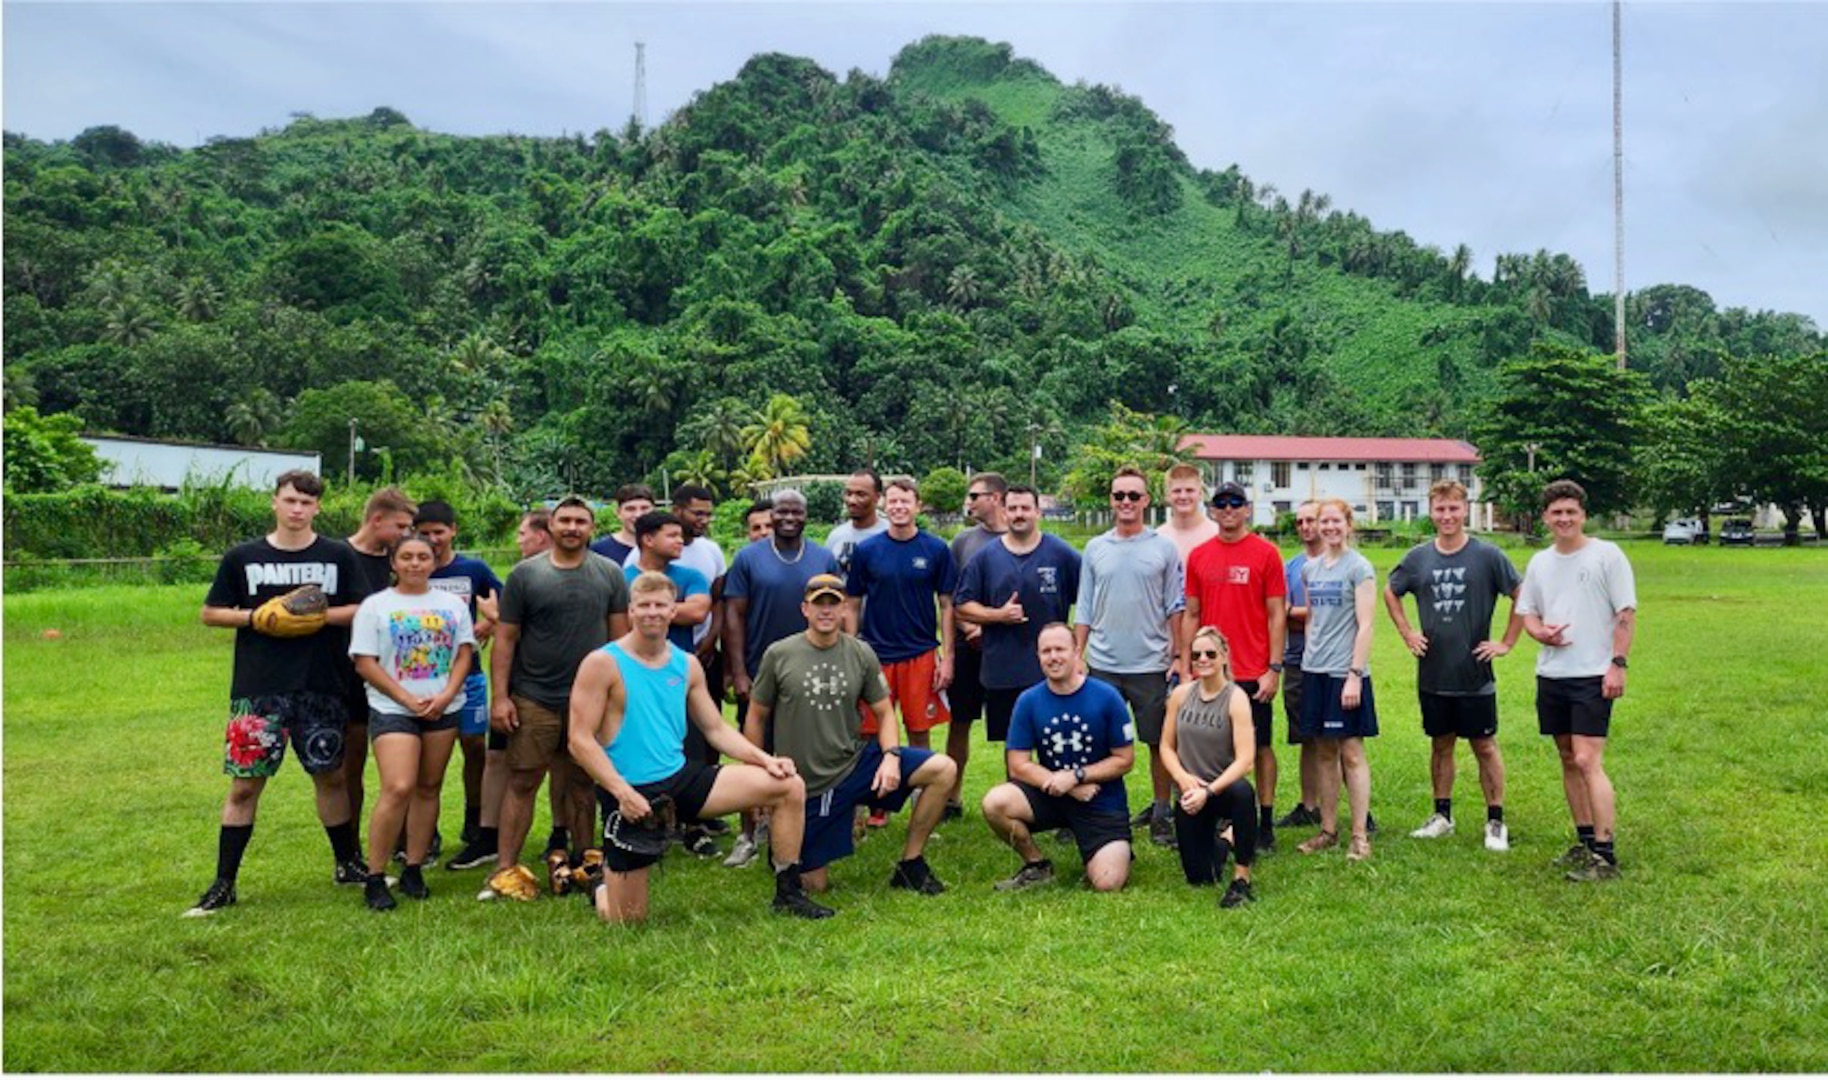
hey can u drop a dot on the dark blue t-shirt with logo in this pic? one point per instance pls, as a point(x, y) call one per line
point(902, 579)
point(1047, 579)
point(1080, 728)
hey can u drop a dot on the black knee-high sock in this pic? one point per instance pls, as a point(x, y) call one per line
point(1445, 808)
point(231, 845)
point(1266, 818)
point(1584, 833)
point(343, 842)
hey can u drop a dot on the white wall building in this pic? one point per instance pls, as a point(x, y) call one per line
point(127, 461)
point(1381, 479)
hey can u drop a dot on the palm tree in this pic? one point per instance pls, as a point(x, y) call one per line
point(20, 387)
point(700, 468)
point(722, 425)
point(1458, 265)
point(497, 421)
point(129, 323)
point(252, 416)
point(779, 435)
point(963, 287)
point(198, 298)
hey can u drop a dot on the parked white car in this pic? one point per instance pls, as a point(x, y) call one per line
point(1685, 531)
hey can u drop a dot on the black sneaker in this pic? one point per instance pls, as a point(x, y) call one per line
point(1161, 833)
point(471, 830)
point(1266, 841)
point(412, 883)
point(790, 896)
point(699, 842)
point(1370, 823)
point(954, 811)
point(1031, 874)
point(474, 854)
point(220, 894)
point(351, 872)
point(1063, 836)
point(374, 890)
point(915, 875)
point(1298, 817)
point(1143, 818)
point(1238, 894)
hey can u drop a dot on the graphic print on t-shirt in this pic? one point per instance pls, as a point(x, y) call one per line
point(1068, 739)
point(423, 644)
point(1448, 591)
point(291, 575)
point(1238, 575)
point(825, 688)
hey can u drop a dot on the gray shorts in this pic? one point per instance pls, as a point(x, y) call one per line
point(1147, 695)
point(386, 723)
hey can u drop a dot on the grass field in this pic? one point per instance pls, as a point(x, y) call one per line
point(1710, 954)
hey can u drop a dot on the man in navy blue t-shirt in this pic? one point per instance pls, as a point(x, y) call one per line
point(1070, 743)
point(1012, 588)
point(906, 576)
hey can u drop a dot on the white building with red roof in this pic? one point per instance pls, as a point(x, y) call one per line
point(1381, 479)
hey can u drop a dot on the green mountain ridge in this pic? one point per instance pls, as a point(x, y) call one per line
point(933, 264)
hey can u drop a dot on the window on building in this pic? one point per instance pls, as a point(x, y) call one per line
point(1302, 466)
point(1436, 472)
point(1409, 476)
point(1466, 474)
point(1243, 471)
point(1278, 473)
point(1383, 474)
point(1326, 466)
point(1386, 509)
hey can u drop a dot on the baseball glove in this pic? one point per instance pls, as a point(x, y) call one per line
point(586, 878)
point(648, 836)
point(296, 614)
point(516, 882)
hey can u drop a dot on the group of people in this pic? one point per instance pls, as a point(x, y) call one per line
point(609, 664)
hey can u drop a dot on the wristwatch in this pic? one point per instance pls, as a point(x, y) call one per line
point(1277, 668)
point(893, 751)
point(1619, 662)
point(1360, 672)
point(1079, 774)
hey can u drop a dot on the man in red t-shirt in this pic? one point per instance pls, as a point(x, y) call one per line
point(1235, 582)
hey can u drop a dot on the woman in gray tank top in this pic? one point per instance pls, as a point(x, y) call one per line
point(1208, 747)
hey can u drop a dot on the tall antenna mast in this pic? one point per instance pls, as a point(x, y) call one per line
point(638, 116)
point(1618, 188)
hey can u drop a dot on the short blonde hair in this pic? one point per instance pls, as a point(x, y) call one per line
point(653, 581)
point(1446, 489)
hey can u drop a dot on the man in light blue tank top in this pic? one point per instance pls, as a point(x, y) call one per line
point(629, 709)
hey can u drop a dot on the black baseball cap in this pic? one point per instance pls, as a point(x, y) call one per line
point(1230, 489)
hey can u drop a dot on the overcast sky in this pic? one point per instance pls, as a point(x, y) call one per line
point(1483, 123)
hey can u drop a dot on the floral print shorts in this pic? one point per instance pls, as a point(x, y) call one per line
point(259, 728)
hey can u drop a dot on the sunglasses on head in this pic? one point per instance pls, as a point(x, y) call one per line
point(1229, 502)
point(1205, 654)
point(1129, 496)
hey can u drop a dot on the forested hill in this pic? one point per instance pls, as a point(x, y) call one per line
point(930, 265)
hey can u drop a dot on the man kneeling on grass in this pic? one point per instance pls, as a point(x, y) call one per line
point(628, 724)
point(811, 684)
point(1070, 744)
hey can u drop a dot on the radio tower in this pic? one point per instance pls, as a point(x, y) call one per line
point(638, 116)
point(1618, 188)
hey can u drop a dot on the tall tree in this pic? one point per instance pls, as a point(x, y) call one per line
point(1560, 413)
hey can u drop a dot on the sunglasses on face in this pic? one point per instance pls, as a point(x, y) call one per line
point(977, 494)
point(1228, 503)
point(1205, 654)
point(1129, 496)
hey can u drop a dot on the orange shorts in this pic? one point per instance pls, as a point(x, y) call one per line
point(911, 688)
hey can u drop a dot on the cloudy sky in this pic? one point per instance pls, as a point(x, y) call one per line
point(1475, 122)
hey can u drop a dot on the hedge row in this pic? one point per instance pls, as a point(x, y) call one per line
point(94, 522)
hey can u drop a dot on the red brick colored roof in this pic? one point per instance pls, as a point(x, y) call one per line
point(1314, 448)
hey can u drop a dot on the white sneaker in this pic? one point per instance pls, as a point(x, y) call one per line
point(743, 853)
point(1497, 837)
point(1437, 826)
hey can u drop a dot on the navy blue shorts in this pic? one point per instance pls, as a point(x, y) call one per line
point(1324, 717)
point(829, 816)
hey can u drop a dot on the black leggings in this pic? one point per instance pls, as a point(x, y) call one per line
point(1202, 852)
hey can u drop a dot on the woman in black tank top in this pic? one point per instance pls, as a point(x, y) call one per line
point(1208, 747)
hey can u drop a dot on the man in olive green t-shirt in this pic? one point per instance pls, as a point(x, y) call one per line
point(812, 684)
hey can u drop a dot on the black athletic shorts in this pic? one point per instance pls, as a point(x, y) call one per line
point(689, 788)
point(1468, 716)
point(965, 697)
point(999, 706)
point(1262, 715)
point(1291, 702)
point(1092, 829)
point(1573, 706)
point(385, 723)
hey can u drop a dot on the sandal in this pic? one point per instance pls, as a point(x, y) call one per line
point(1360, 849)
point(1318, 842)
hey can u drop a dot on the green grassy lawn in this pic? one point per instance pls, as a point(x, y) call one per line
point(1710, 954)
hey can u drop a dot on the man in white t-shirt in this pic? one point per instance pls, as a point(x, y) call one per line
point(1579, 600)
point(862, 492)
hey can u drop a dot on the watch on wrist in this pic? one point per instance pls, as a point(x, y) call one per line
point(1358, 672)
point(1277, 668)
point(1079, 774)
point(1619, 662)
point(893, 751)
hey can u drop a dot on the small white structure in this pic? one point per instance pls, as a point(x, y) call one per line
point(1381, 479)
point(133, 462)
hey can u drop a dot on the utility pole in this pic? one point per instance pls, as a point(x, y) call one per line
point(1618, 185)
point(349, 475)
point(638, 116)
